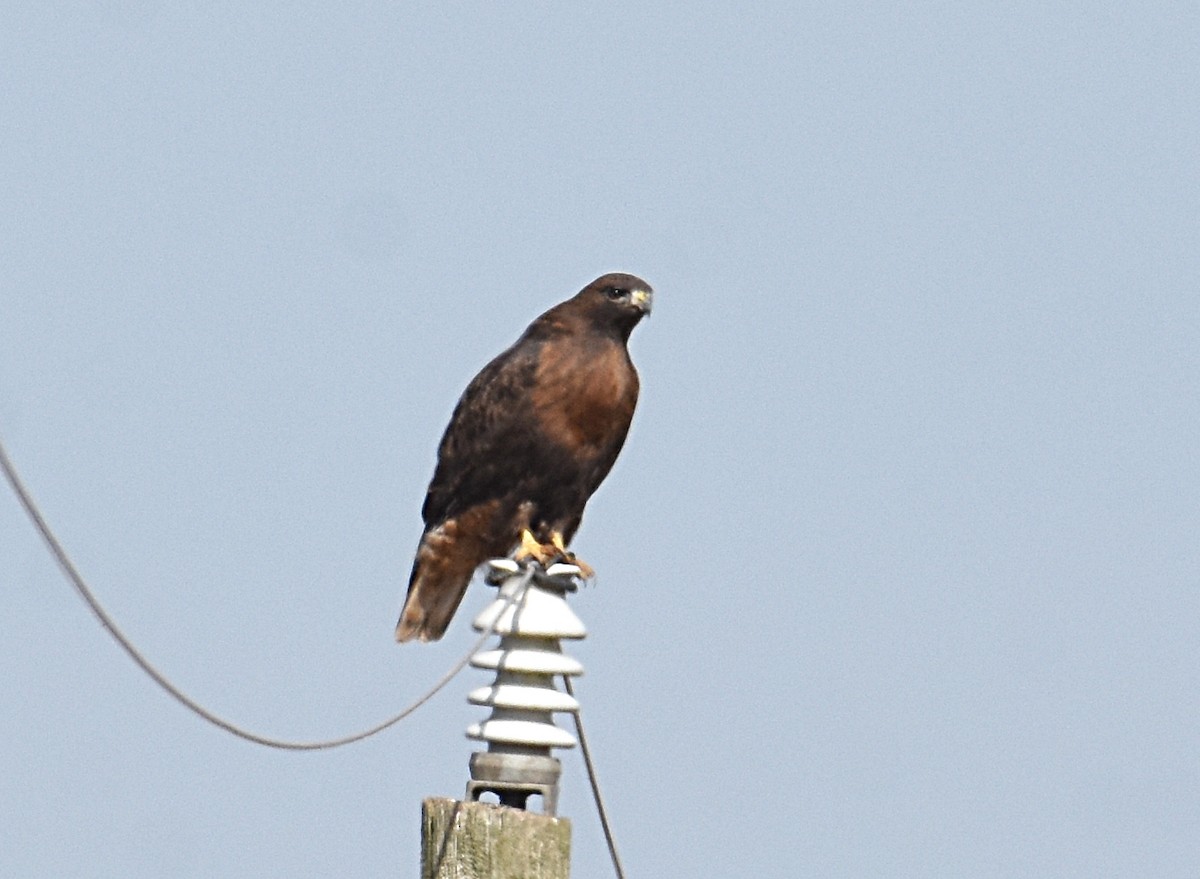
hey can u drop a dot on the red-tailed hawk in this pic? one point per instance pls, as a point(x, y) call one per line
point(531, 438)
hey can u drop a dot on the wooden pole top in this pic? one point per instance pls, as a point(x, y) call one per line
point(462, 840)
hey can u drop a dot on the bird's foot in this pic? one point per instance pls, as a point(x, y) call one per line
point(585, 570)
point(547, 554)
point(544, 554)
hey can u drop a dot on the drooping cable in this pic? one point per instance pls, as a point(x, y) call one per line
point(81, 587)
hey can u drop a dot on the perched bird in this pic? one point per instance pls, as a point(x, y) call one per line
point(532, 437)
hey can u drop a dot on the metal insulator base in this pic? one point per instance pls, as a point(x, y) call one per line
point(514, 778)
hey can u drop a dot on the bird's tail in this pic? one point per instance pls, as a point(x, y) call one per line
point(440, 576)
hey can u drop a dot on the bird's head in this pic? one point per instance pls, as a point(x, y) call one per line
point(618, 300)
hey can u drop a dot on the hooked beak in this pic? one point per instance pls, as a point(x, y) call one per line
point(642, 300)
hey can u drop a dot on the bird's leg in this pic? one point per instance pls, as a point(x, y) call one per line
point(531, 549)
point(585, 570)
point(547, 554)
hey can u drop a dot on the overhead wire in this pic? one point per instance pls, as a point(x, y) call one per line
point(594, 781)
point(77, 581)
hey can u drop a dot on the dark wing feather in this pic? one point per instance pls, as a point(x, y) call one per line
point(482, 455)
point(475, 457)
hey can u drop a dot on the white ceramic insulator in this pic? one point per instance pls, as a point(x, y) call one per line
point(540, 614)
point(523, 697)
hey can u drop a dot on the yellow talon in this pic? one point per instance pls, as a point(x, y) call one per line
point(531, 549)
point(585, 570)
point(547, 554)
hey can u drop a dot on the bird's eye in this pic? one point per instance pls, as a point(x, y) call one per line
point(615, 292)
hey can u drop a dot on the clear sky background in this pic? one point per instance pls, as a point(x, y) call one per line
point(898, 570)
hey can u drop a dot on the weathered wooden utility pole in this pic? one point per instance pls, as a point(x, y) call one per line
point(476, 840)
point(485, 841)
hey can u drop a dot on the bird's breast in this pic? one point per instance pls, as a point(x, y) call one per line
point(584, 396)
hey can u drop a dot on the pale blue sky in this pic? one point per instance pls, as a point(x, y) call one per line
point(898, 570)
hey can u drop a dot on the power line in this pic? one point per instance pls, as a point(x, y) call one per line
point(594, 781)
point(84, 592)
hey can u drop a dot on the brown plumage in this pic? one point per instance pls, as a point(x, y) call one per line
point(531, 438)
